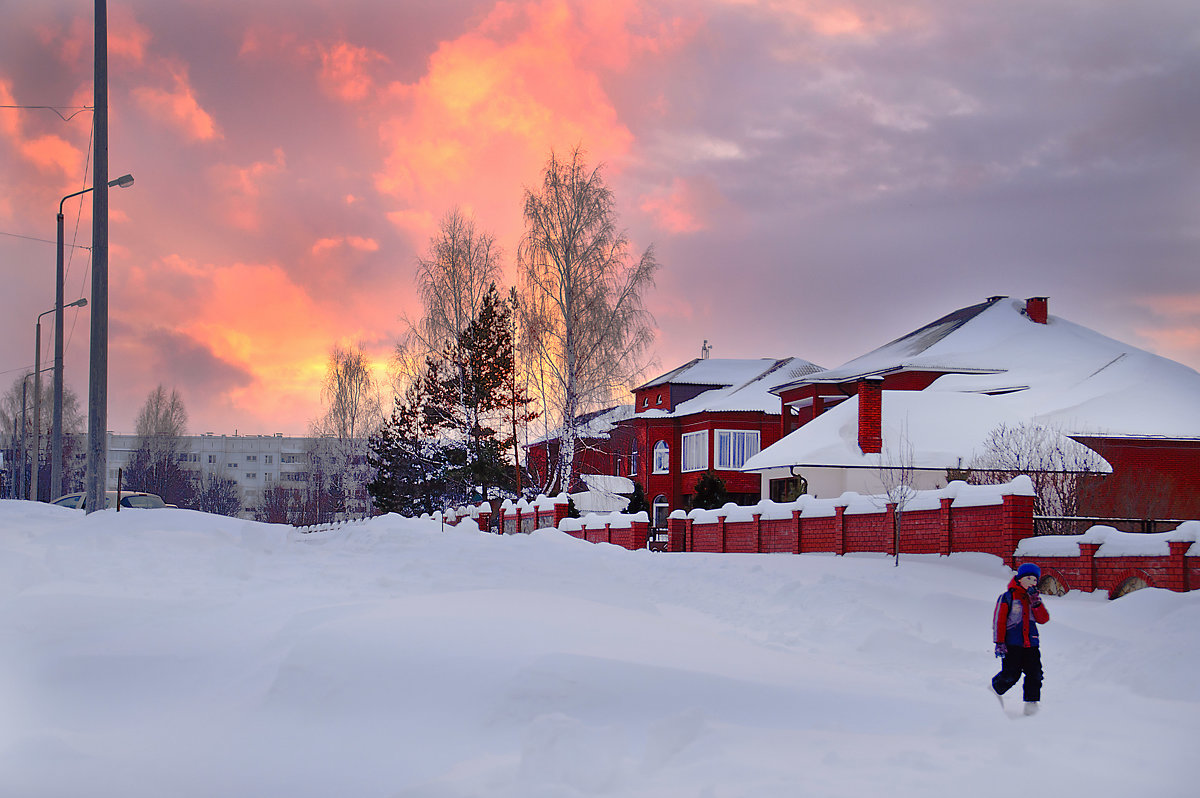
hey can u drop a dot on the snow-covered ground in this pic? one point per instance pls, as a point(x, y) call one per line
point(171, 653)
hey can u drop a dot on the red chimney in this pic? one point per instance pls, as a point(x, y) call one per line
point(870, 416)
point(1037, 308)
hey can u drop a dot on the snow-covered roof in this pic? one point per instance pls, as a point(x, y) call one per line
point(608, 484)
point(598, 424)
point(745, 387)
point(943, 430)
point(1058, 373)
point(714, 371)
point(1001, 367)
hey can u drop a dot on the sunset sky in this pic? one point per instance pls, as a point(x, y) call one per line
point(817, 178)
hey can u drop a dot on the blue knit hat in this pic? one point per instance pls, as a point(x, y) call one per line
point(1029, 569)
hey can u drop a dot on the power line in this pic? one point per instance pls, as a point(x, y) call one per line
point(42, 240)
point(78, 109)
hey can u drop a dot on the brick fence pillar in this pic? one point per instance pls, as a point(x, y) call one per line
point(1177, 570)
point(945, 526)
point(796, 524)
point(840, 531)
point(1087, 551)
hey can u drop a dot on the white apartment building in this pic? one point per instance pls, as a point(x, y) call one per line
point(254, 462)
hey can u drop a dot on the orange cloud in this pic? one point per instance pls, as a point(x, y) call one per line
point(353, 242)
point(495, 100)
point(127, 38)
point(49, 153)
point(282, 343)
point(345, 70)
point(179, 108)
point(688, 206)
point(242, 186)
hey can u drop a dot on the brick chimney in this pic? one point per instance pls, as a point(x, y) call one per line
point(870, 416)
point(1037, 308)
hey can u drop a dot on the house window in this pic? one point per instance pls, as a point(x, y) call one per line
point(662, 458)
point(633, 460)
point(660, 399)
point(735, 447)
point(695, 451)
point(645, 401)
point(661, 510)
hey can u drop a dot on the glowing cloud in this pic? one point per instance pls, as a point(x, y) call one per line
point(178, 108)
point(242, 186)
point(344, 70)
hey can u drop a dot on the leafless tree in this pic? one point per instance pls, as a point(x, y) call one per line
point(160, 425)
point(353, 413)
point(453, 279)
point(585, 321)
point(10, 433)
point(896, 472)
point(1059, 467)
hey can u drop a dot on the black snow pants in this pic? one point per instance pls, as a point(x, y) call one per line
point(1018, 660)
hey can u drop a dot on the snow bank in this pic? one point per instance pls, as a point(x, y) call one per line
point(163, 652)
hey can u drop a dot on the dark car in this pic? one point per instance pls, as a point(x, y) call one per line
point(133, 499)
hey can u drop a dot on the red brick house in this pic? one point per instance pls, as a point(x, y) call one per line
point(708, 414)
point(941, 388)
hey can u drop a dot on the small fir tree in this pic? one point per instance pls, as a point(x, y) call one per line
point(637, 502)
point(710, 492)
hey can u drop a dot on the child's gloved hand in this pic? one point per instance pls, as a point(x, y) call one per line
point(1035, 598)
point(1001, 650)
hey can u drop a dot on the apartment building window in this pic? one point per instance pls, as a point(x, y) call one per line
point(267, 477)
point(695, 451)
point(662, 458)
point(251, 458)
point(287, 458)
point(268, 458)
point(735, 447)
point(212, 459)
point(251, 475)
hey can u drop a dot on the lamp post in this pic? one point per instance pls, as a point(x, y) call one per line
point(56, 446)
point(37, 394)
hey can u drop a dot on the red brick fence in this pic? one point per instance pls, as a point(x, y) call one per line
point(1104, 558)
point(994, 519)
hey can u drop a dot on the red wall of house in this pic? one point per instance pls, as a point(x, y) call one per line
point(1151, 477)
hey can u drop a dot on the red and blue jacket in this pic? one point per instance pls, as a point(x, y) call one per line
point(1015, 621)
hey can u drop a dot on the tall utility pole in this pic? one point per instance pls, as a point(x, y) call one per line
point(97, 455)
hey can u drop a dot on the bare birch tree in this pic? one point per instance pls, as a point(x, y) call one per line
point(160, 425)
point(584, 317)
point(353, 413)
point(453, 279)
point(1059, 467)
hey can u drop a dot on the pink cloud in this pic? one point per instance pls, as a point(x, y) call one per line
point(687, 207)
point(178, 107)
point(345, 70)
point(242, 186)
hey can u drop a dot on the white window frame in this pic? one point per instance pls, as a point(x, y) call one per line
point(662, 458)
point(694, 451)
point(735, 447)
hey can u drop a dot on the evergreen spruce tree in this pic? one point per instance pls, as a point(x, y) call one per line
point(409, 463)
point(637, 502)
point(710, 492)
point(471, 393)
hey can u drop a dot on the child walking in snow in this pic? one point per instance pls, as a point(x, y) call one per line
point(1019, 610)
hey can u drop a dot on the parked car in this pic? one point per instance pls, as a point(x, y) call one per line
point(134, 499)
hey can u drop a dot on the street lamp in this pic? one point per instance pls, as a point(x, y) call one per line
point(56, 454)
point(37, 394)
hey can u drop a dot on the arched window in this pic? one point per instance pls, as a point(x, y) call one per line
point(662, 509)
point(662, 458)
point(633, 459)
